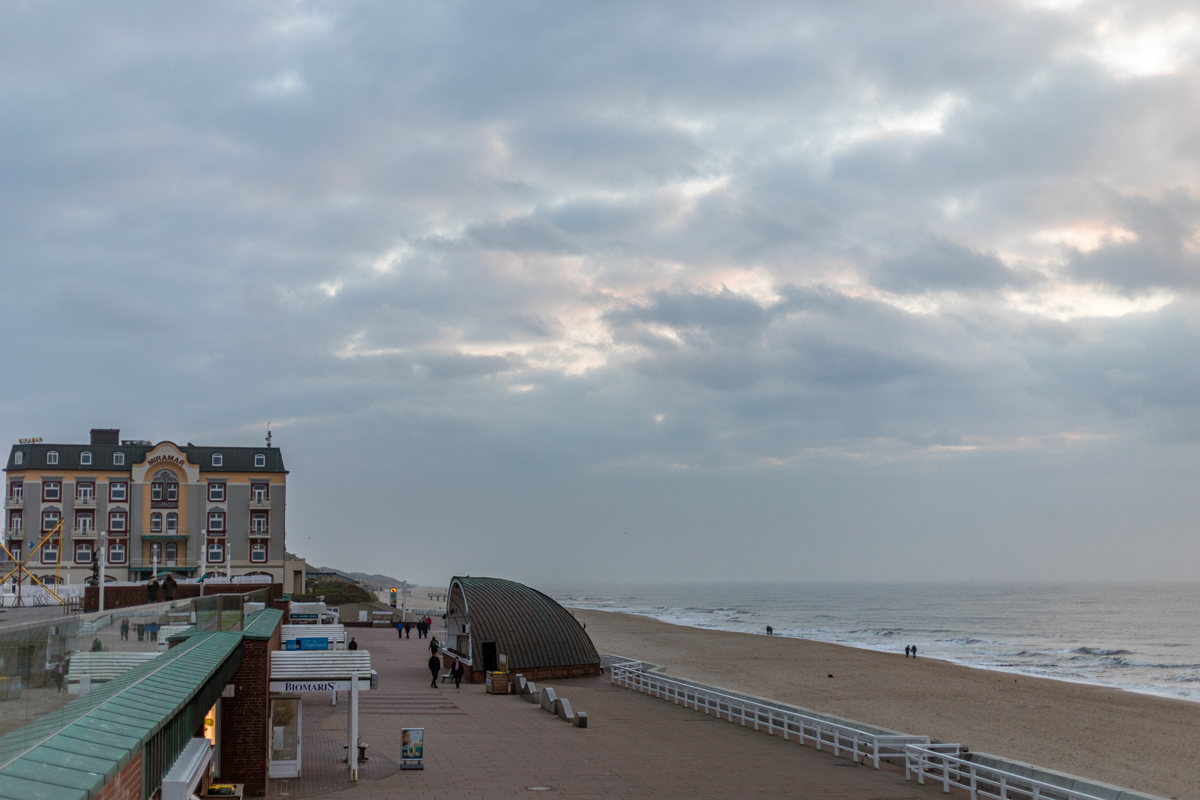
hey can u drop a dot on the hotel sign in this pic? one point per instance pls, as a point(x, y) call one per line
point(167, 457)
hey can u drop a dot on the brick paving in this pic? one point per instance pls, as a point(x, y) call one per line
point(479, 745)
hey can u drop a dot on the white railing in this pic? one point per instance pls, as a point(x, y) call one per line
point(945, 764)
point(839, 737)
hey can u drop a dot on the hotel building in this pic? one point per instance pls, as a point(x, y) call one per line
point(188, 509)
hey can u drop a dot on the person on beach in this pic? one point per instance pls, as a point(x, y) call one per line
point(456, 672)
point(169, 587)
point(907, 650)
point(434, 665)
point(353, 644)
point(914, 651)
point(152, 591)
point(770, 631)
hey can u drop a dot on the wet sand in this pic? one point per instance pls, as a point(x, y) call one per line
point(1137, 741)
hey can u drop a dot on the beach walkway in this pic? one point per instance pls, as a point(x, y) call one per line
point(479, 745)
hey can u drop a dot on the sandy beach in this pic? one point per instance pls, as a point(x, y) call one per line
point(1141, 742)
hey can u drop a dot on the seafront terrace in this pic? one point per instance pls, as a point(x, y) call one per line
point(479, 745)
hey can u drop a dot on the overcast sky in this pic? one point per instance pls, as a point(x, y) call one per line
point(603, 292)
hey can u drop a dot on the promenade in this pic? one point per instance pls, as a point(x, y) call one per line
point(480, 745)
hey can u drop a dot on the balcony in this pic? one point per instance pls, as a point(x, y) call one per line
point(14, 502)
point(259, 533)
point(83, 533)
point(260, 504)
point(87, 501)
point(163, 564)
point(168, 535)
point(15, 533)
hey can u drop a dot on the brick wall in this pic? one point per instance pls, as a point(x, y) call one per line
point(126, 596)
point(127, 785)
point(245, 719)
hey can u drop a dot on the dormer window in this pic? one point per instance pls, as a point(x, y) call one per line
point(118, 459)
point(52, 457)
point(18, 458)
point(85, 459)
point(218, 460)
point(260, 460)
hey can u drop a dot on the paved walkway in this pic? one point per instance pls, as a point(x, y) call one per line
point(479, 745)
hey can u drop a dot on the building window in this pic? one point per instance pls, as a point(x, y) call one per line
point(85, 522)
point(18, 458)
point(52, 457)
point(50, 553)
point(49, 520)
point(16, 490)
point(116, 521)
point(156, 492)
point(258, 522)
point(260, 460)
point(216, 521)
point(258, 553)
point(216, 492)
point(172, 553)
point(14, 522)
point(51, 491)
point(172, 523)
point(83, 552)
point(116, 553)
point(172, 492)
point(85, 459)
point(218, 460)
point(260, 492)
point(164, 490)
point(85, 491)
point(118, 459)
point(156, 522)
point(216, 552)
point(117, 492)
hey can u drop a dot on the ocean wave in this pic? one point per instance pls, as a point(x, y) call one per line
point(962, 640)
point(1100, 651)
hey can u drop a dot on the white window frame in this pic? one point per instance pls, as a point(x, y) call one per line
point(85, 459)
point(255, 549)
point(218, 460)
point(260, 460)
point(90, 551)
point(47, 515)
point(172, 489)
point(50, 547)
point(112, 496)
point(118, 459)
point(172, 522)
point(88, 517)
point(16, 490)
point(263, 489)
point(171, 552)
point(18, 458)
point(16, 521)
point(51, 457)
point(156, 522)
point(219, 517)
point(266, 522)
point(57, 486)
point(85, 491)
point(113, 547)
point(216, 489)
point(219, 548)
point(114, 525)
point(156, 492)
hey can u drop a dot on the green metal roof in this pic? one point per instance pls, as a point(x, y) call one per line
point(73, 753)
point(261, 624)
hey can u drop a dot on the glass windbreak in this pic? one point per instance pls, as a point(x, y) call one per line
point(285, 728)
point(219, 612)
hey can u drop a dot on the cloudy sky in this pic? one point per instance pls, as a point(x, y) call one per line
point(561, 291)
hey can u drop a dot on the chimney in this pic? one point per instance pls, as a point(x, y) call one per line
point(106, 436)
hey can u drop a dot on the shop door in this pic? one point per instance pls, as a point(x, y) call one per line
point(285, 737)
point(489, 656)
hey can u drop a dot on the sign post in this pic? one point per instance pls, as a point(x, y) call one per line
point(412, 748)
point(103, 555)
point(352, 744)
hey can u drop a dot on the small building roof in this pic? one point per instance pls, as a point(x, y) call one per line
point(529, 627)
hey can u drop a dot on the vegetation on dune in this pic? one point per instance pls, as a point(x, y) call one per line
point(335, 591)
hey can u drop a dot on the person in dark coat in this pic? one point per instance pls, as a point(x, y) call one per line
point(434, 665)
point(408, 630)
point(152, 591)
point(353, 644)
point(433, 645)
point(125, 629)
point(456, 672)
point(169, 587)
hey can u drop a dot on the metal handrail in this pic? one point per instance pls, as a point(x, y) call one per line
point(950, 768)
point(861, 744)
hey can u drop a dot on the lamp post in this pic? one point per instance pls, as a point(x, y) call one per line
point(103, 556)
point(203, 558)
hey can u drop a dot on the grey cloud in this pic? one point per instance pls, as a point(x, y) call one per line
point(1163, 253)
point(938, 264)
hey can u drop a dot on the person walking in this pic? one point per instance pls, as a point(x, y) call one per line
point(456, 672)
point(141, 632)
point(152, 591)
point(433, 645)
point(125, 629)
point(152, 629)
point(907, 650)
point(914, 651)
point(434, 665)
point(408, 630)
point(169, 587)
point(58, 676)
point(400, 630)
point(353, 644)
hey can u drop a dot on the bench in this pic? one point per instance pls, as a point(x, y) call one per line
point(102, 667)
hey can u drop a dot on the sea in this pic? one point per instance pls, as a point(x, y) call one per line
point(1136, 637)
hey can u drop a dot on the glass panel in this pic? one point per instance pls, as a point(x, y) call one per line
point(285, 729)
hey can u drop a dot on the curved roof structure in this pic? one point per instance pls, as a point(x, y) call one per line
point(530, 628)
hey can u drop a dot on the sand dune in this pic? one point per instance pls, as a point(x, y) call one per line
point(1141, 742)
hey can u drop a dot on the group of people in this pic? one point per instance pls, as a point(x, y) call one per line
point(423, 626)
point(910, 650)
point(145, 632)
point(168, 589)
